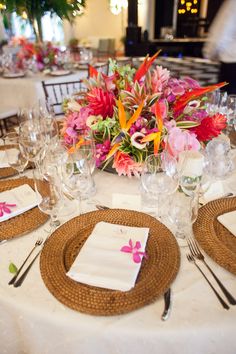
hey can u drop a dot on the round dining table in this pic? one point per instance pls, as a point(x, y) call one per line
point(26, 91)
point(33, 321)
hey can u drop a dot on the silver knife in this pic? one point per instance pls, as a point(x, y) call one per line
point(168, 303)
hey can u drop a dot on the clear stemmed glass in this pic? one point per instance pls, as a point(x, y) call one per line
point(159, 177)
point(183, 212)
point(31, 140)
point(14, 156)
point(87, 151)
point(49, 195)
point(75, 175)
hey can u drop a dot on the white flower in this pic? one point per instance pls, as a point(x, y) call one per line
point(91, 120)
point(73, 106)
point(191, 106)
point(135, 138)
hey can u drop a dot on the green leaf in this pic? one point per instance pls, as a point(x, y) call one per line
point(187, 124)
point(12, 268)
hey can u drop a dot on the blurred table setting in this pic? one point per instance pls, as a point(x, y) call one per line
point(132, 200)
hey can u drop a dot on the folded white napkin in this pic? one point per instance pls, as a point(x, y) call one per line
point(24, 197)
point(102, 263)
point(126, 201)
point(215, 191)
point(3, 160)
point(229, 221)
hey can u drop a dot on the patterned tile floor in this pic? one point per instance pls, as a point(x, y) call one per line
point(202, 70)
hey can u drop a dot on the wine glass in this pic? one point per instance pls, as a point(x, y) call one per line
point(183, 212)
point(31, 140)
point(13, 152)
point(75, 176)
point(159, 177)
point(87, 150)
point(49, 195)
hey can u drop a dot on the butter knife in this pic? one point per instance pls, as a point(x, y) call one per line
point(168, 303)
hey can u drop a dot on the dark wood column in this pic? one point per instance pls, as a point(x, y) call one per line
point(132, 13)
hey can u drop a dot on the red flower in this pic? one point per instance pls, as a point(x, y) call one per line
point(101, 102)
point(210, 127)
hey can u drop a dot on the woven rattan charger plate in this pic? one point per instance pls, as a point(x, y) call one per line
point(156, 273)
point(25, 222)
point(214, 238)
point(6, 171)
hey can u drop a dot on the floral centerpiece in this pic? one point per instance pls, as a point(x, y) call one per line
point(44, 53)
point(135, 113)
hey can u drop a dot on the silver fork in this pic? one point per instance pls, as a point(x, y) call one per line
point(23, 276)
point(196, 252)
point(37, 243)
point(223, 303)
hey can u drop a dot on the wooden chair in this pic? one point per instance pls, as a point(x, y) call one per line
point(8, 118)
point(57, 92)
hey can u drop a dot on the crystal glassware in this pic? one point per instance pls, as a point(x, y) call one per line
point(31, 140)
point(13, 152)
point(159, 177)
point(75, 176)
point(183, 212)
point(49, 195)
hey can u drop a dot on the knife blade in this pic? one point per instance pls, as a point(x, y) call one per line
point(168, 302)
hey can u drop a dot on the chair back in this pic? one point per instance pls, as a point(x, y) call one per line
point(101, 67)
point(58, 91)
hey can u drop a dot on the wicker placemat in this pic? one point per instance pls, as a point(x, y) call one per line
point(214, 238)
point(156, 274)
point(25, 222)
point(6, 171)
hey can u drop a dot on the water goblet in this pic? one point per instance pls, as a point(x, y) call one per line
point(13, 152)
point(159, 177)
point(49, 195)
point(76, 176)
point(183, 212)
point(31, 140)
point(88, 152)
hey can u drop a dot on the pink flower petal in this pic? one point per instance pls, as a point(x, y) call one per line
point(138, 245)
point(126, 249)
point(136, 257)
point(6, 210)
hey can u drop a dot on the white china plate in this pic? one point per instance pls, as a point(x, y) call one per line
point(13, 75)
point(60, 72)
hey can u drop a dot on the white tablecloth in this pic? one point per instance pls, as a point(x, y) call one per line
point(25, 92)
point(32, 321)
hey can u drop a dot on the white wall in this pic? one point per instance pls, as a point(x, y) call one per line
point(97, 22)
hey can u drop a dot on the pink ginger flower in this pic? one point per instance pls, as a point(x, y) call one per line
point(160, 78)
point(179, 140)
point(124, 165)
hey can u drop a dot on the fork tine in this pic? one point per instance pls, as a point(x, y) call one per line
point(196, 246)
point(191, 247)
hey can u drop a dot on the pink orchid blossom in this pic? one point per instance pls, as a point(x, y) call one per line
point(5, 208)
point(137, 255)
